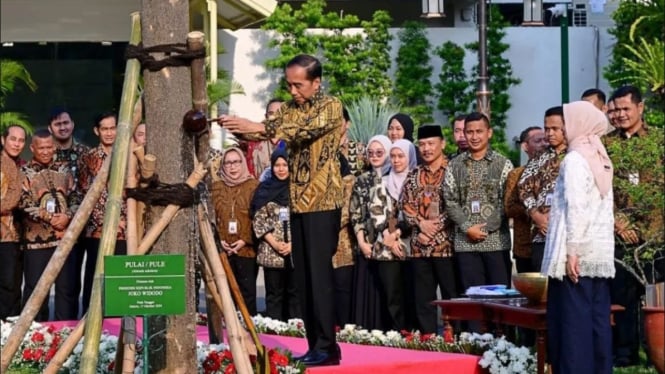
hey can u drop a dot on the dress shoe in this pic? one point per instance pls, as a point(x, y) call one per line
point(319, 358)
point(302, 357)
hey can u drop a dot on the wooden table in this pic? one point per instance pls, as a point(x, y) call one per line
point(513, 312)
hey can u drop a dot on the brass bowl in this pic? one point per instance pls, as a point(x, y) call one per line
point(532, 285)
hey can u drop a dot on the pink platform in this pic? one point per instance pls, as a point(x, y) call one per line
point(356, 359)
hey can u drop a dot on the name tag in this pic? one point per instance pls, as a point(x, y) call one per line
point(233, 227)
point(548, 199)
point(283, 214)
point(50, 205)
point(475, 207)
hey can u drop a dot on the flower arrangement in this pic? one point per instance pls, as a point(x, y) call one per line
point(498, 354)
point(42, 342)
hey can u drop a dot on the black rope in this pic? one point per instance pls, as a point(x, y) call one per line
point(177, 55)
point(163, 194)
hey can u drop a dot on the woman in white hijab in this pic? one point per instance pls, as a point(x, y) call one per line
point(579, 251)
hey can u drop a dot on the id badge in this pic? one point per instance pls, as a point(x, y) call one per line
point(475, 207)
point(50, 205)
point(233, 227)
point(548, 199)
point(283, 214)
point(433, 211)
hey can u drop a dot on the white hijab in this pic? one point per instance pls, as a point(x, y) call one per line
point(394, 181)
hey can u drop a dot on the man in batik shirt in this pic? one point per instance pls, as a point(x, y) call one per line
point(91, 162)
point(423, 205)
point(474, 188)
point(536, 185)
point(47, 201)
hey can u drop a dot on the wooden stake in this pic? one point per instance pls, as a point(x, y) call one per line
point(66, 348)
point(93, 327)
point(234, 330)
point(54, 266)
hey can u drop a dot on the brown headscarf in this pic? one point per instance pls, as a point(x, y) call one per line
point(244, 175)
point(584, 126)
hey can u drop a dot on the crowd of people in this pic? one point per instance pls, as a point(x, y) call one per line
point(366, 234)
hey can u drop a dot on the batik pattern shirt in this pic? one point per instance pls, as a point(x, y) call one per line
point(422, 199)
point(536, 185)
point(371, 210)
point(312, 134)
point(71, 157)
point(521, 221)
point(42, 186)
point(474, 192)
point(90, 164)
point(10, 195)
point(267, 221)
point(344, 254)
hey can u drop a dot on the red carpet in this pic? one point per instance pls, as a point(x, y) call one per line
point(356, 359)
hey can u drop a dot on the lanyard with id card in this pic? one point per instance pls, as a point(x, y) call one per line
point(233, 222)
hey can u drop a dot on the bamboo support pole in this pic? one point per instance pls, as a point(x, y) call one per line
point(66, 348)
point(54, 266)
point(240, 355)
point(147, 168)
point(169, 212)
point(93, 327)
point(196, 42)
point(213, 301)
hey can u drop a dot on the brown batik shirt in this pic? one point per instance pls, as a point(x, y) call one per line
point(422, 199)
point(42, 184)
point(515, 210)
point(312, 133)
point(71, 158)
point(536, 185)
point(10, 195)
point(90, 164)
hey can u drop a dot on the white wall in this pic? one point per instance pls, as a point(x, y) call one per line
point(534, 54)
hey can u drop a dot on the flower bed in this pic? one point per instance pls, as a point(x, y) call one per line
point(42, 341)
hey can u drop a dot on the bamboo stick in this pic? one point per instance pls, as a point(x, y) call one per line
point(54, 266)
point(240, 355)
point(213, 301)
point(169, 212)
point(93, 327)
point(66, 348)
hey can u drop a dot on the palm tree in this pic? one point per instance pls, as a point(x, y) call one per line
point(12, 72)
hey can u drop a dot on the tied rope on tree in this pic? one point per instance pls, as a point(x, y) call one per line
point(178, 55)
point(163, 194)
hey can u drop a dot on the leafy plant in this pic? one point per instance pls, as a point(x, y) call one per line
point(369, 117)
point(12, 72)
point(644, 200)
point(501, 78)
point(354, 64)
point(412, 78)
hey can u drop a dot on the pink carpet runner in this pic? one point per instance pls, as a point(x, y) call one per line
point(356, 359)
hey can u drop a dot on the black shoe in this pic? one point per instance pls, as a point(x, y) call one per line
point(302, 357)
point(319, 358)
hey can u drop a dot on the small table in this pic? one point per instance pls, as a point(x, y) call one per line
point(512, 311)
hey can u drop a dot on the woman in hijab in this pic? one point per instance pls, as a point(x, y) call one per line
point(401, 126)
point(231, 196)
point(390, 245)
point(579, 250)
point(270, 212)
point(369, 310)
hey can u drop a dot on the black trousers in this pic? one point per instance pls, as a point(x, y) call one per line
point(578, 326)
point(315, 237)
point(537, 253)
point(391, 277)
point(481, 268)
point(524, 265)
point(66, 298)
point(428, 273)
point(11, 277)
point(343, 294)
point(625, 290)
point(281, 293)
point(245, 269)
point(91, 246)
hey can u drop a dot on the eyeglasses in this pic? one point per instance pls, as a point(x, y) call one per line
point(234, 162)
point(375, 153)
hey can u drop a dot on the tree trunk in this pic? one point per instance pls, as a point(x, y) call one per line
point(172, 347)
